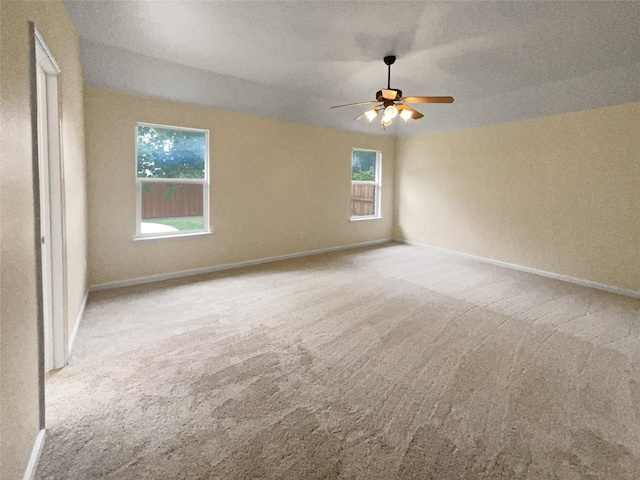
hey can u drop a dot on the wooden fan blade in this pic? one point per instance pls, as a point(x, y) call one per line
point(376, 108)
point(414, 113)
point(428, 99)
point(354, 104)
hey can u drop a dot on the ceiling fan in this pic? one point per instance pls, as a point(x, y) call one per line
point(393, 103)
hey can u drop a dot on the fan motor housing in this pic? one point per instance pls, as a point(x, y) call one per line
point(380, 97)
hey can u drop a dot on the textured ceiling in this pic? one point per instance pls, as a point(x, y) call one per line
point(502, 61)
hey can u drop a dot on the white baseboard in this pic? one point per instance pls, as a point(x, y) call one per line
point(30, 471)
point(72, 337)
point(229, 266)
point(513, 266)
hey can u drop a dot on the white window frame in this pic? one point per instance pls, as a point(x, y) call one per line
point(377, 182)
point(200, 181)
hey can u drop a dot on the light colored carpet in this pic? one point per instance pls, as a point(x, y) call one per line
point(378, 363)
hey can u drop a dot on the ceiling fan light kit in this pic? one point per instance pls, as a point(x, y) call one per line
point(371, 114)
point(393, 103)
point(406, 114)
point(391, 112)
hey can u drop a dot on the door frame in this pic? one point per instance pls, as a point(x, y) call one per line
point(49, 205)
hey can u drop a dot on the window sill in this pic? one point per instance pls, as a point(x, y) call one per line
point(155, 238)
point(359, 219)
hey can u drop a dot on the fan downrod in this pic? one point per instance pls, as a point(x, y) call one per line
point(389, 59)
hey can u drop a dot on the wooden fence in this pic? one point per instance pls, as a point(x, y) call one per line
point(363, 200)
point(163, 200)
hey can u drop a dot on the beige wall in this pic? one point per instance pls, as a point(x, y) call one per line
point(18, 306)
point(560, 194)
point(270, 181)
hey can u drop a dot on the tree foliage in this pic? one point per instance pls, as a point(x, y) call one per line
point(363, 165)
point(363, 175)
point(169, 153)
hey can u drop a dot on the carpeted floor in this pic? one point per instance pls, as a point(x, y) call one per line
point(391, 362)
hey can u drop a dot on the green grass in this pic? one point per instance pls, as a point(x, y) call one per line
point(181, 223)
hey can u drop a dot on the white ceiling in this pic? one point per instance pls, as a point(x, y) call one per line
point(502, 61)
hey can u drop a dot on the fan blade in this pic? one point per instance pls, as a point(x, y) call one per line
point(376, 108)
point(427, 99)
point(354, 104)
point(414, 113)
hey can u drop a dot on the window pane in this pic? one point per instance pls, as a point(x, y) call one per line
point(170, 153)
point(363, 165)
point(363, 200)
point(171, 207)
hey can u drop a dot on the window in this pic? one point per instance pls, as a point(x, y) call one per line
point(172, 180)
point(365, 184)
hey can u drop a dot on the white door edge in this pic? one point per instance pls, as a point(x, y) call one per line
point(50, 154)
